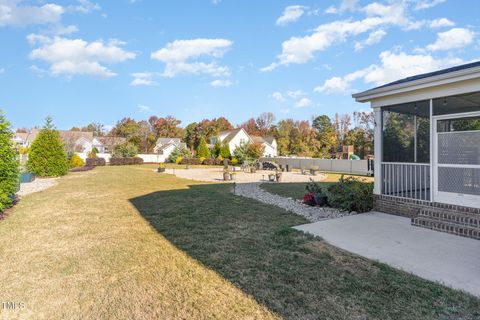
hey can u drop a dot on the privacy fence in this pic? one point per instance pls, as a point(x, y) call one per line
point(333, 165)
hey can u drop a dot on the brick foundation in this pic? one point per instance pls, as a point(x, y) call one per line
point(411, 208)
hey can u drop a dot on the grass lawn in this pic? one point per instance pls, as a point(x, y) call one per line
point(297, 190)
point(127, 243)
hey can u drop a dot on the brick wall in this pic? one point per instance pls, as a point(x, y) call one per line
point(411, 207)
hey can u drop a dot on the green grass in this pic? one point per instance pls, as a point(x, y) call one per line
point(128, 243)
point(297, 190)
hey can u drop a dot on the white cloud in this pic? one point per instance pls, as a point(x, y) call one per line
point(78, 57)
point(299, 50)
point(373, 38)
point(221, 83)
point(181, 56)
point(144, 109)
point(296, 94)
point(303, 103)
point(291, 14)
point(12, 13)
point(142, 79)
point(333, 85)
point(427, 4)
point(393, 66)
point(85, 6)
point(345, 5)
point(439, 23)
point(452, 39)
point(278, 96)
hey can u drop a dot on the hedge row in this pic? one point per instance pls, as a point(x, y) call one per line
point(207, 161)
point(95, 162)
point(125, 161)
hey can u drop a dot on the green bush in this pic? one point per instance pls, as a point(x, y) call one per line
point(248, 152)
point(76, 161)
point(179, 152)
point(351, 194)
point(202, 150)
point(47, 157)
point(225, 151)
point(9, 166)
point(125, 150)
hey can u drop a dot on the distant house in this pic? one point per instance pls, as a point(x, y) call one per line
point(77, 141)
point(165, 146)
point(269, 144)
point(236, 137)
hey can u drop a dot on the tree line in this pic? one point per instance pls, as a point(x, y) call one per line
point(319, 137)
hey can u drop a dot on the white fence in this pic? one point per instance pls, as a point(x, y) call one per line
point(332, 165)
point(146, 157)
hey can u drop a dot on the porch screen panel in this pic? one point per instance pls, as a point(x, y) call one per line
point(459, 180)
point(459, 156)
point(459, 147)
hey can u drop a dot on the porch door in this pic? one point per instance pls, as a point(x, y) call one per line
point(456, 161)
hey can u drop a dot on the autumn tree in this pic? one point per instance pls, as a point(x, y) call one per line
point(98, 129)
point(168, 127)
point(325, 134)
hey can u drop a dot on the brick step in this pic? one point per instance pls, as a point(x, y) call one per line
point(448, 227)
point(453, 217)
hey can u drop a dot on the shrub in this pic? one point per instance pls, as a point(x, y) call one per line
point(95, 162)
point(216, 149)
point(234, 161)
point(248, 152)
point(209, 162)
point(190, 161)
point(178, 160)
point(125, 150)
point(9, 166)
point(225, 151)
point(93, 153)
point(351, 194)
point(47, 157)
point(125, 161)
point(179, 152)
point(202, 150)
point(76, 161)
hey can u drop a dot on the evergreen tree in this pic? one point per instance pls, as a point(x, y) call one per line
point(225, 151)
point(9, 166)
point(216, 149)
point(47, 156)
point(202, 150)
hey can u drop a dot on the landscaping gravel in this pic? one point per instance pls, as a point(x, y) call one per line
point(313, 214)
point(36, 186)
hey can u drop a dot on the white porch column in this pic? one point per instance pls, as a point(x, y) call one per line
point(378, 151)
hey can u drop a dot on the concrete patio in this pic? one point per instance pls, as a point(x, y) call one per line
point(441, 257)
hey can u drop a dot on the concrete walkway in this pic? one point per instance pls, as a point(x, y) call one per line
point(441, 257)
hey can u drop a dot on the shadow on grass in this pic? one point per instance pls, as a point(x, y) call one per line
point(295, 275)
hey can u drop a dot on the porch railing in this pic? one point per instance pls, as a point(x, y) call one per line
point(406, 180)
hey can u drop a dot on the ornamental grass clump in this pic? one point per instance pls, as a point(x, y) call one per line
point(9, 166)
point(47, 157)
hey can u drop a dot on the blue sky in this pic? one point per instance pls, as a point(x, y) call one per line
point(99, 61)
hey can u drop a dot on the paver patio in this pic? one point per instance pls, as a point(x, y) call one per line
point(437, 256)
